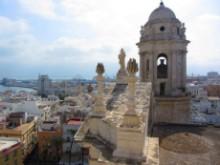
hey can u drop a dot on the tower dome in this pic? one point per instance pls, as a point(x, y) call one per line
point(163, 51)
point(162, 12)
point(163, 25)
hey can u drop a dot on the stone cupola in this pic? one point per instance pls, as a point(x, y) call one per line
point(162, 49)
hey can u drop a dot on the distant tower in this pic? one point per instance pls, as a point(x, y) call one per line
point(43, 85)
point(162, 50)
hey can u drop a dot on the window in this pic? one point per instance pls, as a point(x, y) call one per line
point(68, 139)
point(162, 66)
point(162, 89)
point(162, 28)
point(6, 158)
point(147, 68)
point(178, 31)
point(68, 150)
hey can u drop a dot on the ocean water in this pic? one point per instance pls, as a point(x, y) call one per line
point(15, 89)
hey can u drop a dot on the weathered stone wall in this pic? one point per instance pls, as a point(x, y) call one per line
point(172, 110)
point(105, 130)
point(130, 144)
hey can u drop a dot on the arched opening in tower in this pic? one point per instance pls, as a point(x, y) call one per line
point(162, 66)
point(162, 88)
point(147, 68)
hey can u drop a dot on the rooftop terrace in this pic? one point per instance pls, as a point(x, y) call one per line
point(6, 143)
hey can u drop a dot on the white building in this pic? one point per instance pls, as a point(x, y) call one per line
point(206, 111)
point(197, 91)
point(70, 148)
point(30, 107)
point(10, 151)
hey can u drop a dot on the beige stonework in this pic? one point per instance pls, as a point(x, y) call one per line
point(131, 119)
point(111, 142)
point(131, 133)
point(118, 130)
point(162, 49)
point(172, 110)
point(99, 105)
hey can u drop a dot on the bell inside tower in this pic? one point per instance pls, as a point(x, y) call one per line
point(162, 66)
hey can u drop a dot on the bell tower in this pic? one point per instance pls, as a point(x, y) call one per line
point(162, 50)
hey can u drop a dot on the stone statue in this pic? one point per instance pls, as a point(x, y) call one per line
point(121, 57)
point(122, 73)
point(132, 67)
point(100, 69)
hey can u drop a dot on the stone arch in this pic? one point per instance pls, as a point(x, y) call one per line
point(162, 66)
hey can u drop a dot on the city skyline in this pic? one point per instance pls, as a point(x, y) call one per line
point(67, 38)
point(97, 82)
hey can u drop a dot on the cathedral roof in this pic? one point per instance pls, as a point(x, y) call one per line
point(162, 12)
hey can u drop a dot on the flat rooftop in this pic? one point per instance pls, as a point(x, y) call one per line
point(75, 121)
point(23, 127)
point(7, 142)
point(188, 145)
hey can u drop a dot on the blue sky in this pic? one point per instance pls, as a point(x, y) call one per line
point(65, 38)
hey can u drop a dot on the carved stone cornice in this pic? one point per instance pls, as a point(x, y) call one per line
point(145, 53)
point(181, 52)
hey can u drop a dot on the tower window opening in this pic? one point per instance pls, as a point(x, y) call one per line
point(162, 66)
point(178, 31)
point(162, 28)
point(147, 67)
point(162, 89)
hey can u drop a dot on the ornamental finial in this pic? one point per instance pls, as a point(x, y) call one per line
point(100, 69)
point(132, 66)
point(161, 3)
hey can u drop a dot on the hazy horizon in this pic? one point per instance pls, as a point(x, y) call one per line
point(66, 38)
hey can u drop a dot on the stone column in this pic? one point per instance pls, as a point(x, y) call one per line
point(154, 72)
point(99, 104)
point(131, 119)
point(174, 71)
point(184, 68)
point(141, 67)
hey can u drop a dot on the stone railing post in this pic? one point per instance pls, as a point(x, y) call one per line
point(131, 119)
point(99, 105)
point(132, 68)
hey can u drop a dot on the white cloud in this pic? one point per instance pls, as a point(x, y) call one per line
point(8, 26)
point(115, 24)
point(44, 8)
point(205, 37)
